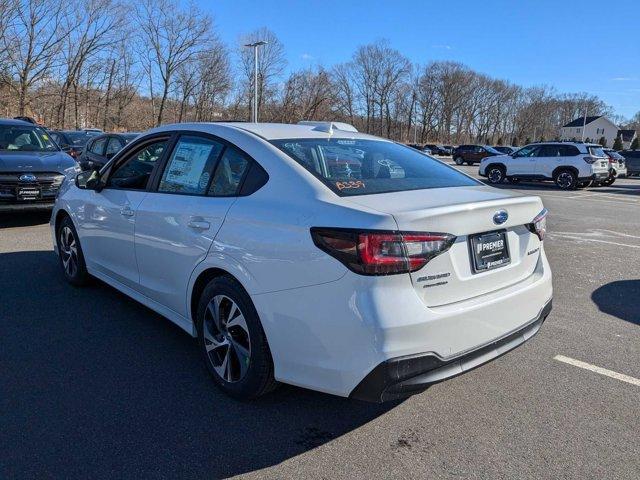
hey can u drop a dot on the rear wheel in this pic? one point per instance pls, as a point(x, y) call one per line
point(566, 180)
point(470, 164)
point(495, 174)
point(609, 181)
point(70, 254)
point(459, 160)
point(232, 341)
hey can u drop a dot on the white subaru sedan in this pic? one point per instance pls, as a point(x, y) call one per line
point(311, 254)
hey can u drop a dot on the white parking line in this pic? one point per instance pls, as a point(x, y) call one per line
point(584, 239)
point(602, 371)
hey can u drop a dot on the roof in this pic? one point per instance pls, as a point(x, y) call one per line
point(11, 121)
point(579, 122)
point(627, 135)
point(269, 131)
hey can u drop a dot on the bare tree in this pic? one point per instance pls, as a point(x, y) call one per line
point(174, 37)
point(32, 41)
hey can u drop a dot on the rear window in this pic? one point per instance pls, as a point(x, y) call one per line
point(596, 151)
point(360, 167)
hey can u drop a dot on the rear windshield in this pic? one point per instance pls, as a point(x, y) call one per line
point(360, 167)
point(596, 151)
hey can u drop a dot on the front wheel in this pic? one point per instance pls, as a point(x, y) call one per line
point(232, 341)
point(70, 254)
point(495, 175)
point(459, 160)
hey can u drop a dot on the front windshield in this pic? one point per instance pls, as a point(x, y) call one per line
point(25, 138)
point(359, 167)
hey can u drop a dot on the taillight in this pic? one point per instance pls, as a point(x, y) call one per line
point(539, 224)
point(590, 159)
point(381, 253)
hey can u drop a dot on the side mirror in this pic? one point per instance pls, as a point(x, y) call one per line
point(89, 180)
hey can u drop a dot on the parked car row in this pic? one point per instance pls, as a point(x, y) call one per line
point(35, 160)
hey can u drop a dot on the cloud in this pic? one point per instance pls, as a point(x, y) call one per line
point(443, 47)
point(307, 56)
point(623, 79)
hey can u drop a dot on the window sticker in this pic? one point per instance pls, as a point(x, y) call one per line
point(188, 164)
point(350, 184)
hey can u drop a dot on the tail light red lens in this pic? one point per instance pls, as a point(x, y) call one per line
point(539, 224)
point(381, 253)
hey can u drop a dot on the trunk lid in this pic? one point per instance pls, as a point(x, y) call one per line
point(464, 211)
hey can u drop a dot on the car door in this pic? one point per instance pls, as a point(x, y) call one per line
point(177, 222)
point(523, 162)
point(107, 220)
point(548, 158)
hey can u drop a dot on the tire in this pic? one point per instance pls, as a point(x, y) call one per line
point(495, 174)
point(459, 160)
point(232, 341)
point(70, 254)
point(470, 164)
point(609, 181)
point(566, 180)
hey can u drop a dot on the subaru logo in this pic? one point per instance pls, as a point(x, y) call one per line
point(28, 177)
point(500, 217)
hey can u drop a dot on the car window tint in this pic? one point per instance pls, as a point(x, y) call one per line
point(134, 174)
point(97, 146)
point(229, 173)
point(550, 151)
point(529, 151)
point(569, 151)
point(359, 166)
point(113, 146)
point(189, 168)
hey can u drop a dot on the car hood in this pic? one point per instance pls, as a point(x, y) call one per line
point(494, 156)
point(35, 162)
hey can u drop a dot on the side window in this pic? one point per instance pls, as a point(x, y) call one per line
point(189, 168)
point(530, 151)
point(56, 138)
point(135, 172)
point(229, 173)
point(478, 149)
point(113, 147)
point(97, 146)
point(569, 151)
point(549, 151)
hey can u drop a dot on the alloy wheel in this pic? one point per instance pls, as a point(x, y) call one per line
point(68, 251)
point(495, 175)
point(226, 338)
point(565, 179)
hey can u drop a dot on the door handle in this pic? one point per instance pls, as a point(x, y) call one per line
point(126, 211)
point(199, 224)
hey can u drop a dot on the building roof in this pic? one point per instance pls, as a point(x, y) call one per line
point(627, 135)
point(579, 122)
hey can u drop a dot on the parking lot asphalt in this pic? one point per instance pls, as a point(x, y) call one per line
point(94, 385)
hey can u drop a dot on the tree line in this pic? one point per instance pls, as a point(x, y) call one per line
point(116, 66)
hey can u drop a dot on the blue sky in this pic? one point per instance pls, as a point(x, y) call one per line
point(576, 46)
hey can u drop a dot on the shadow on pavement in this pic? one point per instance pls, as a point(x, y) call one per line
point(620, 299)
point(27, 218)
point(95, 385)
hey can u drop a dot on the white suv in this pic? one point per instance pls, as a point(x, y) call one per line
point(569, 164)
point(310, 255)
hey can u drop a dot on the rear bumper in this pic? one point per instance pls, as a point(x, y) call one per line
point(596, 176)
point(404, 376)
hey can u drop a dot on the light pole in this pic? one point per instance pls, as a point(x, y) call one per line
point(255, 45)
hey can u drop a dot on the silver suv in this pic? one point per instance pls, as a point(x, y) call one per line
point(569, 164)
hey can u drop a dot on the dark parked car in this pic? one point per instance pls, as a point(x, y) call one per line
point(437, 149)
point(471, 154)
point(632, 159)
point(70, 141)
point(32, 166)
point(101, 148)
point(504, 149)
